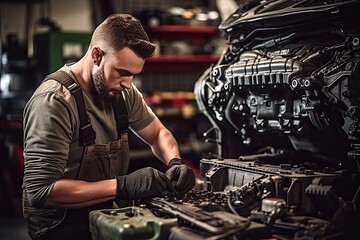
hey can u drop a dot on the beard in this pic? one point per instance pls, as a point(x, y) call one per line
point(99, 84)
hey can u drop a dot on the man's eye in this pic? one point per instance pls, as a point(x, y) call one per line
point(124, 74)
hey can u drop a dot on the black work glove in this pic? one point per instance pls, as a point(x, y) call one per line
point(143, 183)
point(182, 176)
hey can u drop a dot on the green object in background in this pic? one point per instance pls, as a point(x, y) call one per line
point(53, 49)
point(129, 223)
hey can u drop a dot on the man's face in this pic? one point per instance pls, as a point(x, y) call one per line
point(115, 72)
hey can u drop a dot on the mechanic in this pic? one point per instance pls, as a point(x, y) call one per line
point(75, 136)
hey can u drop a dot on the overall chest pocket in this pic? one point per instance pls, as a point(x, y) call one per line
point(101, 161)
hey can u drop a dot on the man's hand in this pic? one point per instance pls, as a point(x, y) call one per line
point(143, 183)
point(182, 176)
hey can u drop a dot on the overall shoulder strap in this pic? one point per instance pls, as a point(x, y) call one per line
point(121, 114)
point(87, 134)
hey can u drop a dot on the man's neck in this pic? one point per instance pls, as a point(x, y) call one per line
point(82, 73)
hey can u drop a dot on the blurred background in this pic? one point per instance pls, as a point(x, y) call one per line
point(38, 37)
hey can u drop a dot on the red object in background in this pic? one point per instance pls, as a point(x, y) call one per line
point(180, 62)
point(178, 102)
point(19, 157)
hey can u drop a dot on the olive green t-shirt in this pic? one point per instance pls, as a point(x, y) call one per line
point(51, 132)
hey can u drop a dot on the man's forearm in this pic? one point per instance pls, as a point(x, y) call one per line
point(166, 147)
point(71, 193)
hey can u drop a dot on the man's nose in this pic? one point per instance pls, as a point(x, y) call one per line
point(126, 82)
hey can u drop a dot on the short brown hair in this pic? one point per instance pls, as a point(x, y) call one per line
point(124, 30)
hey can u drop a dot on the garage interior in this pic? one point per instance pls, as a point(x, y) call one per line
point(262, 96)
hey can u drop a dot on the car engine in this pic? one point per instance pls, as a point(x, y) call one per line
point(284, 105)
point(283, 101)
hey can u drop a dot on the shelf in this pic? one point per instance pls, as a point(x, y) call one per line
point(183, 29)
point(180, 62)
point(184, 58)
point(176, 32)
point(194, 34)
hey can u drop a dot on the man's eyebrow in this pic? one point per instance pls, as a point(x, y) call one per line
point(124, 72)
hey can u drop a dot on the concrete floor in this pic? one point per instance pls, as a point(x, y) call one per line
point(12, 223)
point(13, 228)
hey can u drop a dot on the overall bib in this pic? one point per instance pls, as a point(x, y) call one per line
point(99, 162)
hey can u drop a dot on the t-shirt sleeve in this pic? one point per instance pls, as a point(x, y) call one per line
point(140, 114)
point(47, 136)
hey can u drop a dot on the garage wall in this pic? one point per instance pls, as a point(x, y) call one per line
point(70, 15)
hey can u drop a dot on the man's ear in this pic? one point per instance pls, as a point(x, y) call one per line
point(96, 55)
